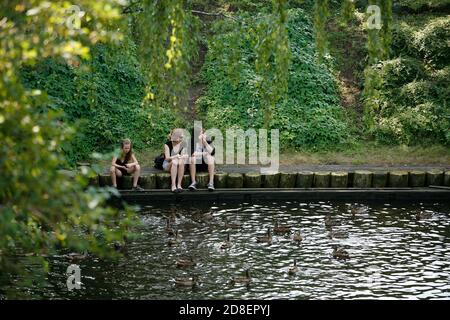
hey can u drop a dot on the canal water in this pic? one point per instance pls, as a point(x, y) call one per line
point(399, 251)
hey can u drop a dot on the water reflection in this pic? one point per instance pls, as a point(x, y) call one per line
point(391, 254)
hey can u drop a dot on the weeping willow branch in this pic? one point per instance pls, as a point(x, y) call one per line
point(386, 30)
point(213, 14)
point(320, 20)
point(379, 40)
point(273, 58)
point(347, 11)
point(133, 9)
point(378, 45)
point(167, 42)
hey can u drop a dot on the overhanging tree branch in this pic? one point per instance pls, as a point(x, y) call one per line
point(133, 9)
point(213, 14)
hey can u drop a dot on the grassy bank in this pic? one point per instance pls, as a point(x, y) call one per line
point(369, 153)
point(372, 153)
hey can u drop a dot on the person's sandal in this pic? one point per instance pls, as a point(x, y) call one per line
point(210, 187)
point(193, 186)
point(137, 188)
point(174, 190)
point(180, 190)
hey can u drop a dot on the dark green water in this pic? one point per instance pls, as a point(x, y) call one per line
point(392, 255)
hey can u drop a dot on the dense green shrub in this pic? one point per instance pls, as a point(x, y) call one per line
point(434, 87)
point(413, 88)
point(308, 117)
point(44, 213)
point(103, 97)
point(415, 92)
point(433, 42)
point(396, 72)
point(408, 125)
point(402, 39)
point(425, 37)
point(248, 5)
point(439, 79)
point(413, 104)
point(422, 5)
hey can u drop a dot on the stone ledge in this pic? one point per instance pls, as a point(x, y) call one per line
point(298, 194)
point(303, 179)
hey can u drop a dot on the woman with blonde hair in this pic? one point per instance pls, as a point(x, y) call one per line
point(175, 156)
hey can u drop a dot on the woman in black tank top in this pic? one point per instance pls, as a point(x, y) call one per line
point(125, 165)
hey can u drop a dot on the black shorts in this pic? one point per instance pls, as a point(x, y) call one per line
point(201, 167)
point(124, 172)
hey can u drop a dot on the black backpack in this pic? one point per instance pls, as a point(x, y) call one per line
point(159, 160)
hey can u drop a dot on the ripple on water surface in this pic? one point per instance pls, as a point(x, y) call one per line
point(391, 254)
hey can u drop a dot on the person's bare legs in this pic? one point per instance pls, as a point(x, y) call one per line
point(136, 172)
point(192, 168)
point(114, 172)
point(180, 173)
point(173, 173)
point(211, 168)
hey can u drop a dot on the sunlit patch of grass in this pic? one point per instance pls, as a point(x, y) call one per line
point(360, 154)
point(371, 153)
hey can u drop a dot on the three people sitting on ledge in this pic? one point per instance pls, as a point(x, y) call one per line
point(175, 157)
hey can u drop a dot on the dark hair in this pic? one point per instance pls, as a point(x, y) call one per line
point(130, 153)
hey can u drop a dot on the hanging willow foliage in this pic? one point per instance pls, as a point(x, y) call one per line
point(347, 11)
point(374, 46)
point(371, 79)
point(386, 30)
point(43, 212)
point(167, 44)
point(272, 58)
point(320, 20)
point(379, 40)
point(378, 45)
point(167, 35)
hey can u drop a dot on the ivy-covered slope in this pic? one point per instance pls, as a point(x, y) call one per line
point(103, 97)
point(309, 116)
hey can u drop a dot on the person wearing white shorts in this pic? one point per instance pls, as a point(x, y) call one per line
point(175, 157)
